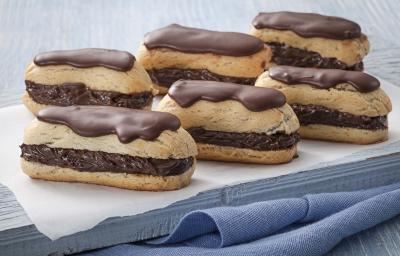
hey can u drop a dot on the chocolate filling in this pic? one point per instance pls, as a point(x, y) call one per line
point(255, 141)
point(167, 76)
point(97, 161)
point(313, 114)
point(79, 94)
point(286, 55)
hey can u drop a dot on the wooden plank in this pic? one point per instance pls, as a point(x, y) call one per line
point(353, 175)
point(11, 213)
point(382, 240)
point(28, 27)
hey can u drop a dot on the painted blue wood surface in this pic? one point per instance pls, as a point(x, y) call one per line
point(28, 27)
point(350, 175)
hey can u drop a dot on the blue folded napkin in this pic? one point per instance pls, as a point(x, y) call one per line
point(310, 225)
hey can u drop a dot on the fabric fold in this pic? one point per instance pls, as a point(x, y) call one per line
point(223, 226)
point(325, 204)
point(310, 225)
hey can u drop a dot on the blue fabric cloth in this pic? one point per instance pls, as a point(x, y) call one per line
point(311, 225)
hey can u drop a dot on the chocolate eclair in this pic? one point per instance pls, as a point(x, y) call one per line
point(176, 52)
point(332, 104)
point(232, 122)
point(311, 40)
point(87, 77)
point(112, 146)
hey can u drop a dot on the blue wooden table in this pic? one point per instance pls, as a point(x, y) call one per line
point(28, 27)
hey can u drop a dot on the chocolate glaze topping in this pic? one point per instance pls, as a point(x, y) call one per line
point(78, 94)
point(87, 58)
point(167, 76)
point(188, 92)
point(309, 24)
point(127, 124)
point(324, 78)
point(97, 161)
point(194, 40)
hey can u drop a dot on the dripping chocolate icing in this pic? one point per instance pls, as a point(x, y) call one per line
point(127, 124)
point(324, 78)
point(194, 40)
point(309, 24)
point(87, 58)
point(188, 92)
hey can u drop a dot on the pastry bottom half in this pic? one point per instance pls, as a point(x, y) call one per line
point(232, 154)
point(162, 90)
point(144, 182)
point(343, 134)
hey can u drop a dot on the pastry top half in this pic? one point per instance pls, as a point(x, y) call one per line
point(227, 107)
point(353, 92)
point(96, 69)
point(331, 37)
point(224, 53)
point(116, 130)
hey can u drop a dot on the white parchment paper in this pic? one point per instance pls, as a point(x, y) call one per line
point(60, 209)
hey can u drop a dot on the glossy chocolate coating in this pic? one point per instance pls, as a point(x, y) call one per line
point(87, 58)
point(188, 92)
point(95, 121)
point(194, 40)
point(324, 78)
point(309, 24)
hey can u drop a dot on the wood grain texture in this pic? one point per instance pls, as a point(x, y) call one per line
point(29, 27)
point(351, 174)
